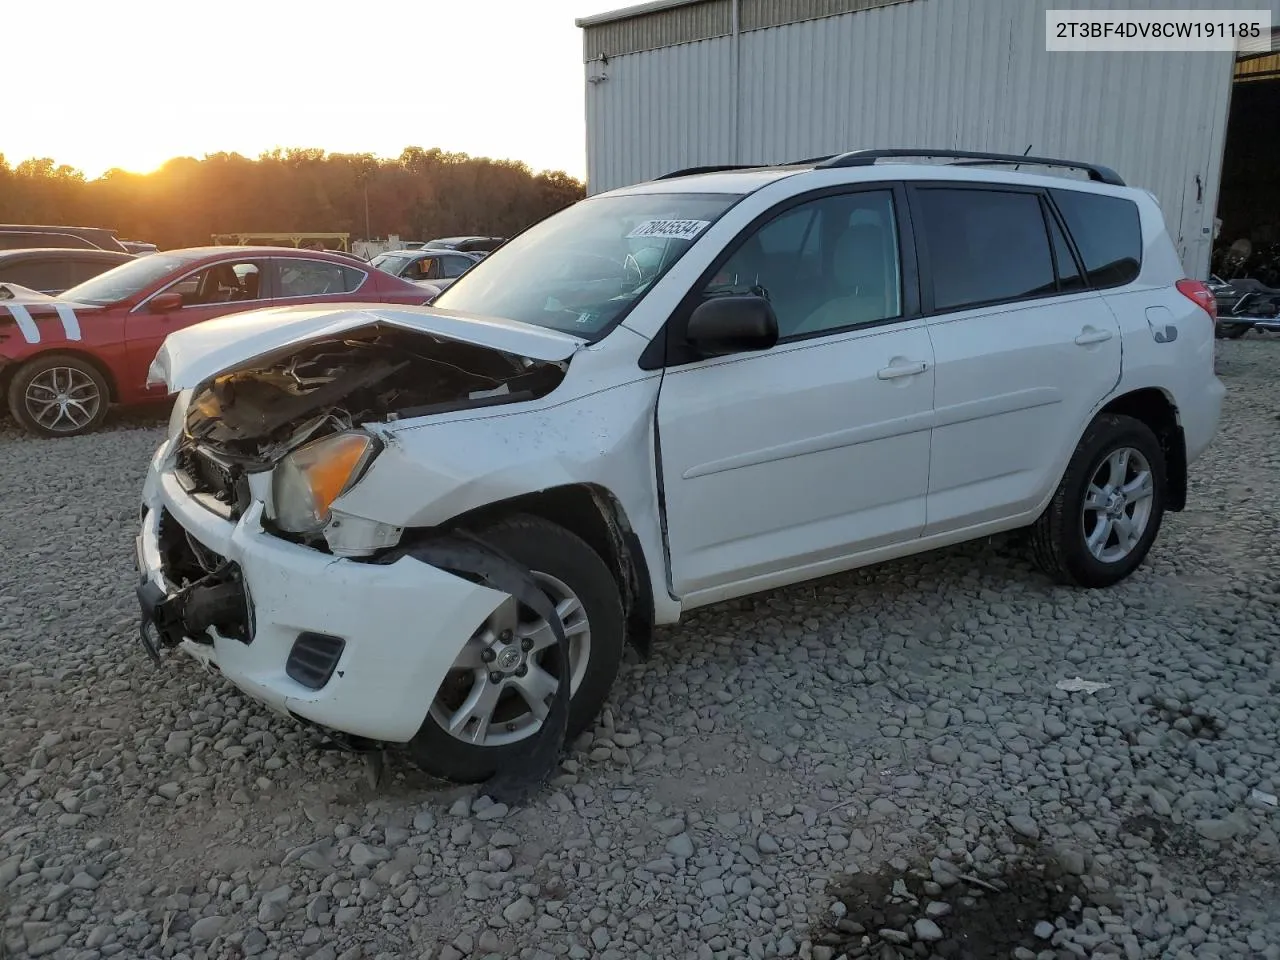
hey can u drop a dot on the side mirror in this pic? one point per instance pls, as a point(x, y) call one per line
point(734, 324)
point(164, 303)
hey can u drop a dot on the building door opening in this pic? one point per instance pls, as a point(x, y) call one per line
point(1247, 243)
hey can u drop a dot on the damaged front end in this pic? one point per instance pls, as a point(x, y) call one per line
point(280, 417)
point(287, 434)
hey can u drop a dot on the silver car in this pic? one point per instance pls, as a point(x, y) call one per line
point(435, 268)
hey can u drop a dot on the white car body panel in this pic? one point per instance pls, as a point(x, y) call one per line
point(1011, 382)
point(735, 474)
point(755, 445)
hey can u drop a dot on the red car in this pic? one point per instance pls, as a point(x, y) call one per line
point(64, 358)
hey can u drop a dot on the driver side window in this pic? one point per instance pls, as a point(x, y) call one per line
point(825, 265)
point(221, 283)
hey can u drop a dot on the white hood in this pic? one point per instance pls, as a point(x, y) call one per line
point(191, 356)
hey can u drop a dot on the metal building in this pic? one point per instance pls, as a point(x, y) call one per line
point(679, 83)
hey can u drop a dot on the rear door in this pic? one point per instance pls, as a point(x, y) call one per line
point(302, 280)
point(1024, 351)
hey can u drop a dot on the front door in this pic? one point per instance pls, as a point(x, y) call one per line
point(1024, 352)
point(230, 286)
point(819, 447)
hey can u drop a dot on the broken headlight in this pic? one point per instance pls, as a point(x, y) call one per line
point(306, 482)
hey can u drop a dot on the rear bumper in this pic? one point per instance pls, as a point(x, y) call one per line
point(1200, 419)
point(400, 624)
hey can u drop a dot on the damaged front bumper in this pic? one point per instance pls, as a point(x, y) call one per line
point(354, 647)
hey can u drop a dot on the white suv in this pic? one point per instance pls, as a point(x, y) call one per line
point(412, 525)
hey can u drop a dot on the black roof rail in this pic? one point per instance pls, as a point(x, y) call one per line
point(860, 158)
point(690, 171)
point(720, 168)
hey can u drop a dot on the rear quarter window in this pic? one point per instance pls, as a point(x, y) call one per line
point(1107, 233)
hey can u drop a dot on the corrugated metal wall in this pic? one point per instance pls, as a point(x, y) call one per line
point(966, 74)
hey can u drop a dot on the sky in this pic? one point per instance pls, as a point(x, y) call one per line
point(132, 83)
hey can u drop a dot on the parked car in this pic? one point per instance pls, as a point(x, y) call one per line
point(466, 244)
point(98, 237)
point(435, 267)
point(63, 359)
point(139, 247)
point(33, 239)
point(52, 270)
point(662, 397)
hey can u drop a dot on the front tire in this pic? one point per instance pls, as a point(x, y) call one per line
point(474, 727)
point(1108, 508)
point(58, 395)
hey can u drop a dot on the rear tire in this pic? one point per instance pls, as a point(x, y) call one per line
point(1088, 496)
point(58, 395)
point(1230, 331)
point(542, 548)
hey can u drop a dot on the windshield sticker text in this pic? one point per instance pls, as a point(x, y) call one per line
point(669, 229)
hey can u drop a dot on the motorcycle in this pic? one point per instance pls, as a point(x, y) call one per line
point(1245, 304)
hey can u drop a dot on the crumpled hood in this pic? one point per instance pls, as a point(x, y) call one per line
point(191, 356)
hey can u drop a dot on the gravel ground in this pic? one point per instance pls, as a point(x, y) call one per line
point(880, 764)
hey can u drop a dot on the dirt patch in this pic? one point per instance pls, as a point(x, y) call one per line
point(977, 918)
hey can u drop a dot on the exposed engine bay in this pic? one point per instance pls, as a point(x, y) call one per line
point(255, 416)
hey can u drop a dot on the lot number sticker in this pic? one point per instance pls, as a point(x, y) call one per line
point(669, 229)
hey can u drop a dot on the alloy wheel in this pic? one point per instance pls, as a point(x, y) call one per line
point(62, 399)
point(501, 684)
point(1117, 505)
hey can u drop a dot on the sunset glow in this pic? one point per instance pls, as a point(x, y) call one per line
point(501, 78)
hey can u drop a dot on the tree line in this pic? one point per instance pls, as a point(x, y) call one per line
point(419, 195)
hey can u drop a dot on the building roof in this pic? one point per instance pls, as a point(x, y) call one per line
point(668, 23)
point(625, 13)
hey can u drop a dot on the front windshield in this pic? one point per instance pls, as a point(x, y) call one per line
point(125, 280)
point(581, 269)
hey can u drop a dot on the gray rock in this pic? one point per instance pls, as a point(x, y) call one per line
point(1044, 930)
point(519, 911)
point(363, 855)
point(1219, 830)
point(943, 755)
point(927, 930)
point(46, 945)
point(1024, 826)
point(680, 846)
point(206, 929)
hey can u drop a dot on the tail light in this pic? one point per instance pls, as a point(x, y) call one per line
point(1199, 293)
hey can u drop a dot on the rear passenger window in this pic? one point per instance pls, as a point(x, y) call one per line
point(985, 246)
point(1107, 234)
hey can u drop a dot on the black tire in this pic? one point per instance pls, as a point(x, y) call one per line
point(541, 547)
point(1230, 331)
point(1058, 537)
point(26, 417)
